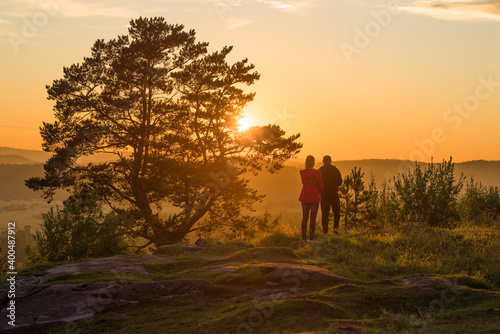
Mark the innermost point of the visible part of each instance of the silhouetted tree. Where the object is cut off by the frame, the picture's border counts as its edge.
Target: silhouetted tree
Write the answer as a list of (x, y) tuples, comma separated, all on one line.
[(166, 112), (372, 200), (346, 201), (358, 205)]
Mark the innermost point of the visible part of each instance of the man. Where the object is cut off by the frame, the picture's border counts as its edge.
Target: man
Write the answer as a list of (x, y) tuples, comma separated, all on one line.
[(332, 179)]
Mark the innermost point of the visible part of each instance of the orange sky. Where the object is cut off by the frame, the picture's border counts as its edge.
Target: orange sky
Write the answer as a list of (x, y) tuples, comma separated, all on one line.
[(357, 79)]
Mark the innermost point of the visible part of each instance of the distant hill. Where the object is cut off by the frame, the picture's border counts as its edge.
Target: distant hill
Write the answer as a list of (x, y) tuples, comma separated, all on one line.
[(15, 159), (487, 172), (41, 156), (282, 189), (12, 181), (484, 171), (36, 156)]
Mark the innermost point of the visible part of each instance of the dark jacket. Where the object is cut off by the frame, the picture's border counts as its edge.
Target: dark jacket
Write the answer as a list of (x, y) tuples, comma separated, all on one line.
[(312, 186), (332, 179)]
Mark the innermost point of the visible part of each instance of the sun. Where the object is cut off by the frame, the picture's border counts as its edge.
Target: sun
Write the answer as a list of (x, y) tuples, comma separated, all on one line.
[(245, 123)]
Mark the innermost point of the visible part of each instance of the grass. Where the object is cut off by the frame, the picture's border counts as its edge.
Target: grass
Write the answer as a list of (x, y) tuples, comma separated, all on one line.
[(376, 307), (375, 299), (410, 249)]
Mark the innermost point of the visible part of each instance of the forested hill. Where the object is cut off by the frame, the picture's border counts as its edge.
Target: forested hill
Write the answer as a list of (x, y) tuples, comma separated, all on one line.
[(282, 189), (11, 155)]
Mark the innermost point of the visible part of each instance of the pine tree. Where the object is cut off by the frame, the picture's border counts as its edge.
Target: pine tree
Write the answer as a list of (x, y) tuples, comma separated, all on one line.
[(166, 113)]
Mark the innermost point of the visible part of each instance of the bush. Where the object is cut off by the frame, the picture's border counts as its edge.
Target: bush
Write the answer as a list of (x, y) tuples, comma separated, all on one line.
[(80, 230), (240, 226), (429, 196), (480, 203)]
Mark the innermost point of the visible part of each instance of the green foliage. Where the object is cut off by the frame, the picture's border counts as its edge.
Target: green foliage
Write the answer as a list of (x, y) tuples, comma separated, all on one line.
[(429, 195), (166, 113), (233, 225), (388, 206), (81, 230), (357, 205), (372, 201), (480, 204)]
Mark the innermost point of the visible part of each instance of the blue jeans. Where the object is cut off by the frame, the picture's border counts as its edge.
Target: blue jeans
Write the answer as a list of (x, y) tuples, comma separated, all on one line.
[(313, 209)]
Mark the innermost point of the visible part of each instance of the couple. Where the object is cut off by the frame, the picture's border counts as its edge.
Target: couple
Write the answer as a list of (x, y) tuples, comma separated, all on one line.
[(320, 186)]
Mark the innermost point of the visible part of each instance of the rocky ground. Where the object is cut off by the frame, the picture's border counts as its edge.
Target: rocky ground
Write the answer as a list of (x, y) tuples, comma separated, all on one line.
[(239, 289)]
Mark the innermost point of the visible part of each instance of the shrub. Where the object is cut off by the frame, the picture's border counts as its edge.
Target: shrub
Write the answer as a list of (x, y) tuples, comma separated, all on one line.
[(240, 226), (80, 230), (480, 203), (429, 196)]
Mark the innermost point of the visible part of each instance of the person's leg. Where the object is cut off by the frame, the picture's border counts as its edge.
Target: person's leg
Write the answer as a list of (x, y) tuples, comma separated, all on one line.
[(305, 216), (336, 212), (314, 213), (325, 214)]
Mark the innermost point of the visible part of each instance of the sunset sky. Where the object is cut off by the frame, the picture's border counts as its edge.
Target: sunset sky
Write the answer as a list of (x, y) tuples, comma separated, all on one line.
[(358, 79)]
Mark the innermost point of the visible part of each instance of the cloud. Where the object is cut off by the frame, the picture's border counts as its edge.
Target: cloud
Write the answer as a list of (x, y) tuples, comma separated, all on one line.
[(465, 10), (237, 22), (88, 9), (235, 12), (70, 8), (288, 5)]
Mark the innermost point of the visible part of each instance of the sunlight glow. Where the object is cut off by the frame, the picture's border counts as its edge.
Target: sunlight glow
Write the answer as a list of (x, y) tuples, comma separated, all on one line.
[(245, 123)]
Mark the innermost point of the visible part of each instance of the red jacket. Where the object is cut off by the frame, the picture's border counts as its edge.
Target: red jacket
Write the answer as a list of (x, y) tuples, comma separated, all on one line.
[(312, 185)]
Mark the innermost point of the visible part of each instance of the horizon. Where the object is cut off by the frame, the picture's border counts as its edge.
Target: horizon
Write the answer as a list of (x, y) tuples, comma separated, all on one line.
[(407, 80), (298, 159)]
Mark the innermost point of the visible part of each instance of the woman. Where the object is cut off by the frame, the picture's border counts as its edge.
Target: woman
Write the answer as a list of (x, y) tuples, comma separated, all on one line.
[(310, 196)]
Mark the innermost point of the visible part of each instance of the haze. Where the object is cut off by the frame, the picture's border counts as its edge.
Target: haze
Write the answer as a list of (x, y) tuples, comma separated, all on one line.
[(358, 79)]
